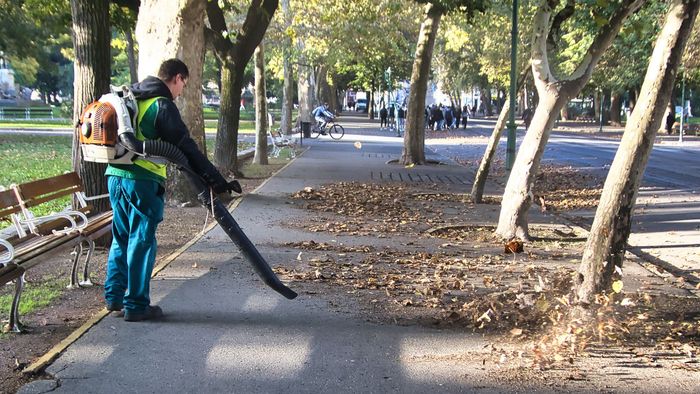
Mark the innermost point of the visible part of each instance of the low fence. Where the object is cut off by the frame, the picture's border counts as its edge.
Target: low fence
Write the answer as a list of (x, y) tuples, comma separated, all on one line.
[(27, 113)]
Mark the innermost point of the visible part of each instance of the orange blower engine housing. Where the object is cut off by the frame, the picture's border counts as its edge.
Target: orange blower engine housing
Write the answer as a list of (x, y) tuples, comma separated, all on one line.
[(98, 135)]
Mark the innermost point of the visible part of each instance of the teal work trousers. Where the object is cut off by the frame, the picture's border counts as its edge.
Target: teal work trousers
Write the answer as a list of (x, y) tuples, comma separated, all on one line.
[(138, 208)]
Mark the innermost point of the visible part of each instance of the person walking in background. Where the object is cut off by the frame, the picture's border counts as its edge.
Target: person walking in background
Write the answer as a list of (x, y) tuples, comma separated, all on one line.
[(527, 117), (458, 116), (383, 117), (447, 115), (465, 115), (391, 115), (402, 119)]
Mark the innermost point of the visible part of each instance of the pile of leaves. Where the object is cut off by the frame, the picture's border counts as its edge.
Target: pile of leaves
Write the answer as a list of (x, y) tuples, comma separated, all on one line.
[(375, 208), (567, 188), (471, 282)]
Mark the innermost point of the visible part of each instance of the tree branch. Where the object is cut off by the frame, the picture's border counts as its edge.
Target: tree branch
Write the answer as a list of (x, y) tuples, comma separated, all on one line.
[(130, 4), (604, 38), (559, 19), (239, 47)]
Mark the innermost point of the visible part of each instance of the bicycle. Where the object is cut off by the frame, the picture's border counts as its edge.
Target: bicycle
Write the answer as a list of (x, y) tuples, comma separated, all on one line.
[(331, 128)]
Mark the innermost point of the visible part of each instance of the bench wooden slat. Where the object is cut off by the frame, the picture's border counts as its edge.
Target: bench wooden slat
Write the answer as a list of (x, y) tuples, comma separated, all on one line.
[(43, 190), (8, 203)]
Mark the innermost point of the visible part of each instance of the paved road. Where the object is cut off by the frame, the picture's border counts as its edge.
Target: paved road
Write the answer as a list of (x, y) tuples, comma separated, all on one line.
[(666, 222)]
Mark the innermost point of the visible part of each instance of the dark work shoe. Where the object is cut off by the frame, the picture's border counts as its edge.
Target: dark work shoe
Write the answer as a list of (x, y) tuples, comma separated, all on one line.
[(114, 307), (151, 312)]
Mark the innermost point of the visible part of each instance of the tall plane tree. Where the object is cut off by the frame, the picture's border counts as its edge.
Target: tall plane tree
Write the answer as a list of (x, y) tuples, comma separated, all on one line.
[(554, 92), (166, 29), (260, 107), (234, 50), (91, 69), (414, 137), (288, 90), (605, 248)]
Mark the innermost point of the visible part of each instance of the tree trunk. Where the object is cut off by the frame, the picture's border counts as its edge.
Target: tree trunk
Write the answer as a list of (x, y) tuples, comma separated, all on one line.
[(486, 100), (288, 88), (304, 93), (166, 31), (131, 55), (324, 90), (260, 107), (414, 135), (485, 165), (564, 112), (370, 105), (234, 51), (91, 37), (225, 153), (553, 96), (606, 244), (615, 109)]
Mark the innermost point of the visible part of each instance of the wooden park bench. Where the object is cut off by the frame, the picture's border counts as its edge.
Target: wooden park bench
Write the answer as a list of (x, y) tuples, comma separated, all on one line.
[(30, 238)]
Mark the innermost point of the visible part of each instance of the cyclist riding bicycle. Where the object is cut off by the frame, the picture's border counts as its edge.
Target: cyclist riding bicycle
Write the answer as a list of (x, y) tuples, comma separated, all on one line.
[(322, 116)]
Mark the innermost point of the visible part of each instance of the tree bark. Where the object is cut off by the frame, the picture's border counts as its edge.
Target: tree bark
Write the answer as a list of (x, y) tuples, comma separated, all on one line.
[(485, 165), (234, 51), (260, 107), (324, 90), (486, 100), (288, 88), (553, 95), (615, 109), (605, 247), (304, 93), (370, 105), (225, 153), (91, 37), (131, 55), (414, 135), (165, 30)]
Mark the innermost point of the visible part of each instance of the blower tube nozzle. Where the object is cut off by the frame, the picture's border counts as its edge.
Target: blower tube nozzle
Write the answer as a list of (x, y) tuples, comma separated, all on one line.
[(221, 214)]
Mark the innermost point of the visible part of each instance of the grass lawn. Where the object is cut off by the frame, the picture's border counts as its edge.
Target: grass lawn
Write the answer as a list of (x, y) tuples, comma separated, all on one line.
[(36, 295)]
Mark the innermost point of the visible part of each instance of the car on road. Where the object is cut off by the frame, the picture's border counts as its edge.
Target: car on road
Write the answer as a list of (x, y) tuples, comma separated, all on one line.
[(361, 105)]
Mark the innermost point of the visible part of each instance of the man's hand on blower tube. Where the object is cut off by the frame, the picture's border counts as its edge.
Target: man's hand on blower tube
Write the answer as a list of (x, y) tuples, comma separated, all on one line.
[(228, 187)]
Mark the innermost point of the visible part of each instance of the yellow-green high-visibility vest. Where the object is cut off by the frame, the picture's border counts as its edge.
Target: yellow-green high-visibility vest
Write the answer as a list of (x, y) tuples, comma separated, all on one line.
[(149, 125)]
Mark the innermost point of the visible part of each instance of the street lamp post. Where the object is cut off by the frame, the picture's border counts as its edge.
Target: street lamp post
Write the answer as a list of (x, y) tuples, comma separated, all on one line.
[(602, 101), (510, 146)]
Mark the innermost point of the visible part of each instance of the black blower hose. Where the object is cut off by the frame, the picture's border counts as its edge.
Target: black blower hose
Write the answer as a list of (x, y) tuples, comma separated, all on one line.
[(221, 214)]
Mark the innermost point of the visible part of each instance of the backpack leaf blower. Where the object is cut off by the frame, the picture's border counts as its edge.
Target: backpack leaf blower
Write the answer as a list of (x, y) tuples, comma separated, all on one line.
[(106, 135)]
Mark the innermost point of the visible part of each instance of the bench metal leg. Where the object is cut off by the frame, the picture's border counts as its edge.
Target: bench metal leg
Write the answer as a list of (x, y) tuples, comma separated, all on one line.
[(76, 253), (86, 282), (84, 248), (14, 325)]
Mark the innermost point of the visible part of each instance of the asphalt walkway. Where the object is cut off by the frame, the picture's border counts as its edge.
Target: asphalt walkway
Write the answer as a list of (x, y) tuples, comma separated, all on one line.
[(225, 331)]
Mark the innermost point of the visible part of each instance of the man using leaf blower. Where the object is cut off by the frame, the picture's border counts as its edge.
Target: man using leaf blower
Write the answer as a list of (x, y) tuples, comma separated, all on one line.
[(136, 192)]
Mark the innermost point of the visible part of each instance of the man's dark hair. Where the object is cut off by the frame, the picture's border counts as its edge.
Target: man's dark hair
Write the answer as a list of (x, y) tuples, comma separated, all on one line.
[(171, 67)]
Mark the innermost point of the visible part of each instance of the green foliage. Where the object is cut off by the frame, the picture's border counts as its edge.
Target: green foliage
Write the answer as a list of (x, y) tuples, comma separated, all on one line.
[(34, 296), (476, 52), (624, 64), (468, 7), (34, 35)]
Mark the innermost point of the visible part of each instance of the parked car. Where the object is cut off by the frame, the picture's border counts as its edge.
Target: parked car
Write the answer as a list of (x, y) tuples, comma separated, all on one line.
[(361, 105)]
